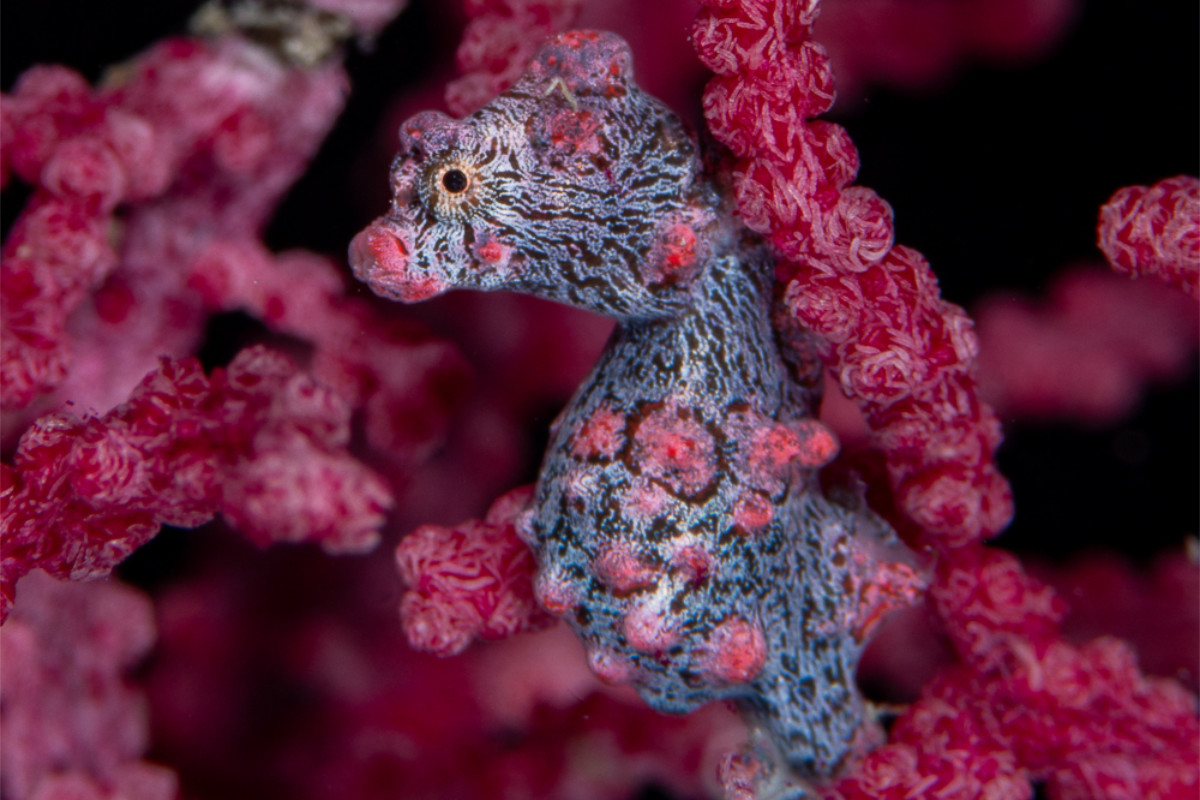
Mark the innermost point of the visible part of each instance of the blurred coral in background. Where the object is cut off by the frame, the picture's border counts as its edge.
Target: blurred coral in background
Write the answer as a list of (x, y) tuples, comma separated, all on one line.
[(182, 345)]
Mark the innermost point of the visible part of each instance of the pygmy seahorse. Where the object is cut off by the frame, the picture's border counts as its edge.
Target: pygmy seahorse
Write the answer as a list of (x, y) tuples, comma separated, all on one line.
[(677, 521)]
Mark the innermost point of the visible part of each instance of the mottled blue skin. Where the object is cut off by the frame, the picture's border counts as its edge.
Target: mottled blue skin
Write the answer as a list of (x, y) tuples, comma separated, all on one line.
[(581, 217)]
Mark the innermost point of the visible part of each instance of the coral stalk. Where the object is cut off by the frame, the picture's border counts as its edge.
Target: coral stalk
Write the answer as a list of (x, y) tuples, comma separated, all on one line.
[(259, 442), (471, 581), (901, 352), (1155, 230), (73, 726)]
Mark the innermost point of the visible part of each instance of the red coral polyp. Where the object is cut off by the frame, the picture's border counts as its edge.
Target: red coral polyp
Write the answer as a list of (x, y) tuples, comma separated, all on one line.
[(1155, 230), (471, 581), (260, 442)]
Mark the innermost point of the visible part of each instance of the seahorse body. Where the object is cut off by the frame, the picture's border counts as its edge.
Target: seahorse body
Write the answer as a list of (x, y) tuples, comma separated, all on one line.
[(677, 521)]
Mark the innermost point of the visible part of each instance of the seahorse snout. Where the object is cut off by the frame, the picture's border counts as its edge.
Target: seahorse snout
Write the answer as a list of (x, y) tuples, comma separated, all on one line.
[(380, 257)]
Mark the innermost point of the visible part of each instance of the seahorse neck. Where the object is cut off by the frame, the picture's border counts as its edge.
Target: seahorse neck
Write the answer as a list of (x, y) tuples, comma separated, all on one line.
[(720, 349)]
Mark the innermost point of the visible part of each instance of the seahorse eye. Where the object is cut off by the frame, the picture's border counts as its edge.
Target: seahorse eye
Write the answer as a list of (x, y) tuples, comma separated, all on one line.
[(455, 181), (452, 186)]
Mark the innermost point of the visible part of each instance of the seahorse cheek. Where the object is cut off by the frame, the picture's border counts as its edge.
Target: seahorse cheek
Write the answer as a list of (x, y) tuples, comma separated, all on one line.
[(381, 259)]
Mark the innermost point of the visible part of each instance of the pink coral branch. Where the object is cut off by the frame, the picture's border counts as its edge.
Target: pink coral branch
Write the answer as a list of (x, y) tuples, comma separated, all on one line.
[(899, 350), (199, 130), (73, 726), (1088, 351), (500, 38), (196, 141), (906, 357), (259, 442), (474, 580), (1155, 230), (86, 159), (1026, 706), (918, 44), (402, 378)]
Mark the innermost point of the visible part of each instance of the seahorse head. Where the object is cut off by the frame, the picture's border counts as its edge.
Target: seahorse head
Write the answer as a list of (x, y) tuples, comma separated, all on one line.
[(573, 185)]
